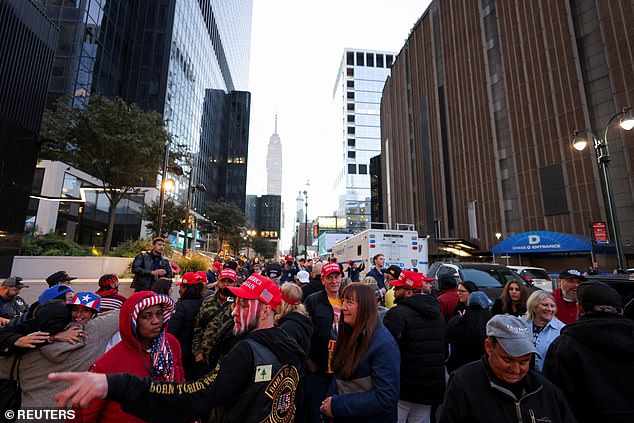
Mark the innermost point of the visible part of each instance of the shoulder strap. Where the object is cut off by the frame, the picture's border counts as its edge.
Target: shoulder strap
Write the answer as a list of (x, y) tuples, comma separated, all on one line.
[(15, 368)]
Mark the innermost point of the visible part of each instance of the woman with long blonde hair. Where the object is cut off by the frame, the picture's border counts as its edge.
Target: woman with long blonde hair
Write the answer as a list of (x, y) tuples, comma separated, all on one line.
[(293, 318)]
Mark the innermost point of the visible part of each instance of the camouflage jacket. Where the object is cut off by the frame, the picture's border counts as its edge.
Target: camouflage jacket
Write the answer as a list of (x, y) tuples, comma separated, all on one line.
[(212, 323)]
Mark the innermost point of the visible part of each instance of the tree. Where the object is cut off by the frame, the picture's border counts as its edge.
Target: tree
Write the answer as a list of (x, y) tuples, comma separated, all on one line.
[(113, 141), (263, 247), (173, 215), (224, 220)]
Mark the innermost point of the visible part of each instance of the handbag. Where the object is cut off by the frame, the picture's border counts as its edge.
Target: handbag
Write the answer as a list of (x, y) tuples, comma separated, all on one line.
[(10, 392), (354, 386)]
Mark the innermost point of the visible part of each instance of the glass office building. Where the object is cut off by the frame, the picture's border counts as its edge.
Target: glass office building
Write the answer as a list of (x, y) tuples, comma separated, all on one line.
[(357, 95), (186, 59)]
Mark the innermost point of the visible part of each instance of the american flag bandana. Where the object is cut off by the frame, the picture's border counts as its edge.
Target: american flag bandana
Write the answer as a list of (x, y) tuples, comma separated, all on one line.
[(160, 351)]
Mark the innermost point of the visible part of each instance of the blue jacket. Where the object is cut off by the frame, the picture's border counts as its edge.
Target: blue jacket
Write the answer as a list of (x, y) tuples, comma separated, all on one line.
[(383, 362), (545, 338)]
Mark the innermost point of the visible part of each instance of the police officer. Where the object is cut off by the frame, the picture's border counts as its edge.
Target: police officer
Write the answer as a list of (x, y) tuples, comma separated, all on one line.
[(256, 381)]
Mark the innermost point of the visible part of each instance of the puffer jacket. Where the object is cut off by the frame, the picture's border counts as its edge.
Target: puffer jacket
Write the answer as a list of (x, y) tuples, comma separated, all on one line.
[(128, 356), (592, 361), (419, 329), (181, 325), (381, 362)]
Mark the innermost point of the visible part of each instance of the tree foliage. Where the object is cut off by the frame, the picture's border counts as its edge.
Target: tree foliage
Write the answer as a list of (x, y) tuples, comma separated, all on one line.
[(224, 220), (173, 215), (116, 142), (264, 247)]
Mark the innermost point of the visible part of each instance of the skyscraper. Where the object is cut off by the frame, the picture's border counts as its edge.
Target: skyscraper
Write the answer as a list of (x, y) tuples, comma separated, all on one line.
[(357, 94), (274, 164), (27, 43), (188, 60), (480, 121)]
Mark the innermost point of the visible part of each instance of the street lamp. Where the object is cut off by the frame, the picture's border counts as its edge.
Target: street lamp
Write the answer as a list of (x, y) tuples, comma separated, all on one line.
[(306, 219), (498, 236), (190, 190), (166, 185), (602, 153)]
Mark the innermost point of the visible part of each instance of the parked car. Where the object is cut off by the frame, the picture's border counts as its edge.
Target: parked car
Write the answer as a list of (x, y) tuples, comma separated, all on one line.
[(536, 276), (488, 277)]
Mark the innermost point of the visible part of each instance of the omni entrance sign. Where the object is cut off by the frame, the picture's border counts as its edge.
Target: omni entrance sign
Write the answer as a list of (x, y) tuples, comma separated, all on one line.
[(542, 242)]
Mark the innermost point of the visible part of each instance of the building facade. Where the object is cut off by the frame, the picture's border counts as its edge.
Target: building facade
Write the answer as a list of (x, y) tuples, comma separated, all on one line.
[(357, 94), (479, 114), (188, 60), (27, 46), (274, 164)]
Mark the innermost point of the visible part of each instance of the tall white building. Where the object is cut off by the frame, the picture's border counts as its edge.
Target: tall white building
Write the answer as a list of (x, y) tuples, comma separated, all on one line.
[(274, 164), (357, 94)]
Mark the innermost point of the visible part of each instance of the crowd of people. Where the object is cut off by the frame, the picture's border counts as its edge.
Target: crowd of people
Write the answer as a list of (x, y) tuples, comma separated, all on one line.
[(295, 340)]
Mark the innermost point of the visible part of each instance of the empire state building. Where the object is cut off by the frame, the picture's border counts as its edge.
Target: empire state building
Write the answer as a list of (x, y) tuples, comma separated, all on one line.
[(274, 164)]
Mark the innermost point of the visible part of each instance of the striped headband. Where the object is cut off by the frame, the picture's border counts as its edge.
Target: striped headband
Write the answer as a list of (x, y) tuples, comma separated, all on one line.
[(168, 309)]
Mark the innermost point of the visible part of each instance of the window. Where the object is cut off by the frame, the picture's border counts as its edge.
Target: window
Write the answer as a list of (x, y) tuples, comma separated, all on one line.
[(553, 190), (360, 61), (389, 60), (379, 60), (363, 169), (350, 95), (351, 106), (352, 142), (352, 155), (350, 58), (351, 130), (351, 118), (350, 84), (352, 169), (369, 57), (350, 72)]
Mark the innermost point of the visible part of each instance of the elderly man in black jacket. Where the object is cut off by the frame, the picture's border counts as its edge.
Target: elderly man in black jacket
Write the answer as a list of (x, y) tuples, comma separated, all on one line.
[(419, 329), (149, 266), (501, 387), (592, 361)]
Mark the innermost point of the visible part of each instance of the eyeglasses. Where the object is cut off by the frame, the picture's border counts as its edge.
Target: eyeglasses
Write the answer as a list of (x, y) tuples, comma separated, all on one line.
[(462, 291)]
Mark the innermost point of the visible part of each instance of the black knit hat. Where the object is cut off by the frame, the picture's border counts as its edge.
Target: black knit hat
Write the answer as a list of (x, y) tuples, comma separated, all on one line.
[(591, 294)]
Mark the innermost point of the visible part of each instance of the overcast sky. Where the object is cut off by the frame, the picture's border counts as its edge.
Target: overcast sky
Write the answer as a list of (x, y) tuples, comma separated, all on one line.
[(296, 50)]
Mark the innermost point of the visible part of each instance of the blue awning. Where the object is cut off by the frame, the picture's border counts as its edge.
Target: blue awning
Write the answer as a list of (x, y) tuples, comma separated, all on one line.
[(542, 242)]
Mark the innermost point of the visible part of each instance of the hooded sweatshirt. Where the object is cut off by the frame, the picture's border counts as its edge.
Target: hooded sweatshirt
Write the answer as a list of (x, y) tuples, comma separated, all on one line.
[(418, 327), (59, 356), (225, 385), (128, 356), (592, 362), (299, 327)]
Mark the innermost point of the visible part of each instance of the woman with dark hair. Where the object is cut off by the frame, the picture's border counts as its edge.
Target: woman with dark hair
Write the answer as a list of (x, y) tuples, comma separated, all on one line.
[(512, 300), (466, 333), (163, 286), (145, 350), (464, 290), (366, 362)]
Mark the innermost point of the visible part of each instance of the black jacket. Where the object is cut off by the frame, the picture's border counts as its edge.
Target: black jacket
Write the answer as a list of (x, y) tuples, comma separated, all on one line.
[(322, 316), (142, 267), (592, 361), (466, 335), (256, 380), (419, 329), (299, 327), (181, 325), (311, 287), (474, 395)]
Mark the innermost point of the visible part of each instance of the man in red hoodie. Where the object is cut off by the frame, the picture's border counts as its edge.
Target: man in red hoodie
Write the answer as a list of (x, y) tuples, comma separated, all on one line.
[(566, 295), (448, 296)]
